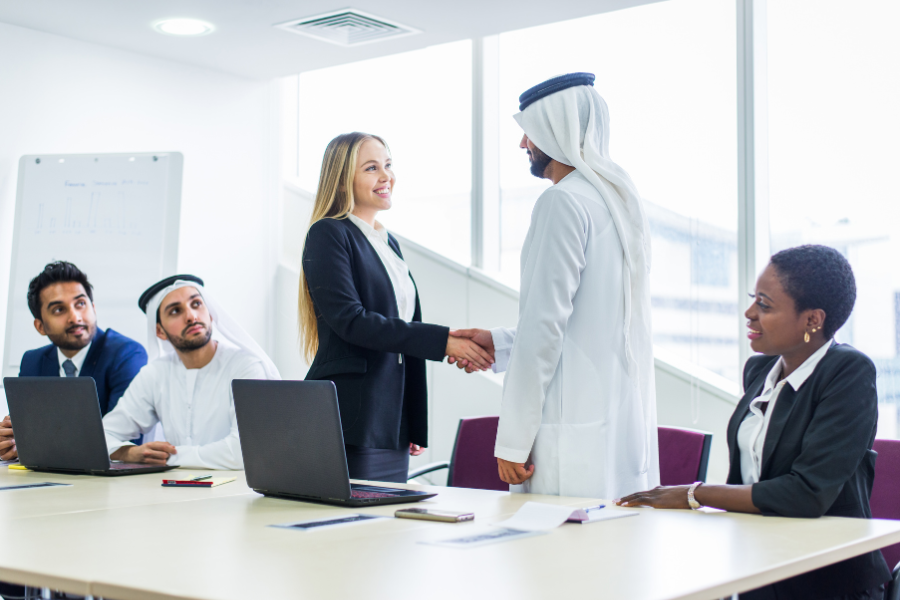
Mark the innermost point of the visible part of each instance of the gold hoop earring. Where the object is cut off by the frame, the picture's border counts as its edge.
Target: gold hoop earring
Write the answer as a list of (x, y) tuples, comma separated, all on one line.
[(806, 336)]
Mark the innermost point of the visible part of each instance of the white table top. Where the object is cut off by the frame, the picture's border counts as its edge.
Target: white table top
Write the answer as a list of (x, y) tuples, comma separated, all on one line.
[(131, 539)]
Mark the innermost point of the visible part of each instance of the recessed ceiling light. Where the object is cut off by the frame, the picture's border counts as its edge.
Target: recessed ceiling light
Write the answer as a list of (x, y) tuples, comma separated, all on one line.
[(183, 27)]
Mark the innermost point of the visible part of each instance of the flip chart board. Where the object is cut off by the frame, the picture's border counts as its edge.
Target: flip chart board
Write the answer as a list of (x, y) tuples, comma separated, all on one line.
[(115, 216)]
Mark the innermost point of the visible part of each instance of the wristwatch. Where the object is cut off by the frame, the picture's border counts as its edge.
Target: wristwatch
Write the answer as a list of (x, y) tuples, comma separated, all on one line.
[(694, 504)]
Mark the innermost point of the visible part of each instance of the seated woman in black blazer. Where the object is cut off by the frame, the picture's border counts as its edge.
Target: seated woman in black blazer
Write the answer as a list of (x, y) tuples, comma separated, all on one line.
[(360, 318), (800, 440)]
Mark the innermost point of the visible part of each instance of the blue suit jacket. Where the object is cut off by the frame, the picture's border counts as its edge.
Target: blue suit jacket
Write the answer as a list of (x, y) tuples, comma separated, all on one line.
[(112, 361)]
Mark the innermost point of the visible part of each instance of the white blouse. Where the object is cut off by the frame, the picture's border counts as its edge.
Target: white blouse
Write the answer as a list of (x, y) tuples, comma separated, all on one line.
[(404, 289), (751, 437)]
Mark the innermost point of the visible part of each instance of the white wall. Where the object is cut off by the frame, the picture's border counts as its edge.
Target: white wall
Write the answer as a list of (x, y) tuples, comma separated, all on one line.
[(59, 95), (457, 296)]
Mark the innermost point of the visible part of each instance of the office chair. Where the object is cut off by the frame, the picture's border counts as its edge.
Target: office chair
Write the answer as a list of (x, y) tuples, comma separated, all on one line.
[(885, 499), (683, 455), (472, 463)]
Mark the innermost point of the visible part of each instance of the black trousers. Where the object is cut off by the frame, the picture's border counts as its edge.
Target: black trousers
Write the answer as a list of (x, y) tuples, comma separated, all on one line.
[(376, 464)]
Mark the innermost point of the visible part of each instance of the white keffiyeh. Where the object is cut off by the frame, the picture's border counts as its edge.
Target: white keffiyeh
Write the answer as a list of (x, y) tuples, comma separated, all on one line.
[(223, 327)]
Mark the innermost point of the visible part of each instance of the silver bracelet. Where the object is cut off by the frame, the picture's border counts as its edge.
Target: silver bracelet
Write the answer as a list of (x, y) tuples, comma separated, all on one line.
[(691, 501)]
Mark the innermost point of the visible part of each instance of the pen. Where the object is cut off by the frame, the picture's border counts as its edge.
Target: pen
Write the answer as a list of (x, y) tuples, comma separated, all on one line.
[(590, 508), (201, 478)]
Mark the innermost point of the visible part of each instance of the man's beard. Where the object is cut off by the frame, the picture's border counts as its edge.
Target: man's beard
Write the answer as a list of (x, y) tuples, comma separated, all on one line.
[(539, 162), (63, 342), (189, 345)]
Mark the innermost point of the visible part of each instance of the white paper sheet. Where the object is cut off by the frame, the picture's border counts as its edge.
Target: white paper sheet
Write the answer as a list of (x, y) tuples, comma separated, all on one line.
[(537, 516)]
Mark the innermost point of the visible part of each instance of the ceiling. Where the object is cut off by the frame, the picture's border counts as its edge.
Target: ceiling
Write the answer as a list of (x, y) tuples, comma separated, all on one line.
[(245, 43)]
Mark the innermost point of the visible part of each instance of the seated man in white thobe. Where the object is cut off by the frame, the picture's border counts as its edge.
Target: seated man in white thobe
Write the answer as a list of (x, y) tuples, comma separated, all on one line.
[(186, 386), (578, 415)]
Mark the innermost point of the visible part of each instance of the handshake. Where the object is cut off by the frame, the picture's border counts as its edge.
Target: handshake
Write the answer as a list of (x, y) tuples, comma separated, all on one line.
[(470, 349)]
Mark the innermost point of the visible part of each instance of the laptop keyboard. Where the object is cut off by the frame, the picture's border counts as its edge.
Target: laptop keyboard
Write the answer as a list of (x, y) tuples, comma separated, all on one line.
[(361, 494)]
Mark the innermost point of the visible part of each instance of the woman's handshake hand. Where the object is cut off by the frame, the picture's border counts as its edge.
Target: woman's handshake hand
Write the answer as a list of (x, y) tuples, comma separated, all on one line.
[(482, 337), (464, 350)]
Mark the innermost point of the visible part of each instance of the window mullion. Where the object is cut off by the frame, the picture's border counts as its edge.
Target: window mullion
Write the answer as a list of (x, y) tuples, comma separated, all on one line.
[(753, 176)]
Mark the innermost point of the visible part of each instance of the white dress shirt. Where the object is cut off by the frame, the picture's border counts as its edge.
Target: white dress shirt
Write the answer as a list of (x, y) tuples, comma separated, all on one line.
[(751, 437), (404, 289), (77, 360), (195, 407)]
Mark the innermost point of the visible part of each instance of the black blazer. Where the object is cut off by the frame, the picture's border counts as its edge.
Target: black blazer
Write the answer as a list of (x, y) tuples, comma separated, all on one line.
[(817, 460), (375, 359)]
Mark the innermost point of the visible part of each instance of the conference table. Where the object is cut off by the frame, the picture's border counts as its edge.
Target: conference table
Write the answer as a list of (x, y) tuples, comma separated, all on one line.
[(129, 538)]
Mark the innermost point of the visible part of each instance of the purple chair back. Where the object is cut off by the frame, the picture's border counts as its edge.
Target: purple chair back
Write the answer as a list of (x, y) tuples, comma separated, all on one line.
[(472, 464), (683, 455), (885, 500)]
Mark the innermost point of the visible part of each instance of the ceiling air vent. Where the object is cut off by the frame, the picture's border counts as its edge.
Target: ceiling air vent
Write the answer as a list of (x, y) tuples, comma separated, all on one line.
[(348, 27)]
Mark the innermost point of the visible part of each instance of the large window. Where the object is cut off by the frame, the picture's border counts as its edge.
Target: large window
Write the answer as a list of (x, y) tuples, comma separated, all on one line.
[(833, 126), (819, 118), (667, 72), (421, 103)]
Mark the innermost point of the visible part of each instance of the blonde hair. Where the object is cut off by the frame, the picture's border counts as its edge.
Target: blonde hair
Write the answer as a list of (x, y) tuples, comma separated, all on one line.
[(334, 200)]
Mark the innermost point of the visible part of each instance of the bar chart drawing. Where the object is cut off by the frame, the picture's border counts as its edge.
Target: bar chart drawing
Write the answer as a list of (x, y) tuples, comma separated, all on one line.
[(90, 213)]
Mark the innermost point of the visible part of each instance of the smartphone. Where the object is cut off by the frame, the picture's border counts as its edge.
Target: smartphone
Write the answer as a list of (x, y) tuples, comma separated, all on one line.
[(430, 514)]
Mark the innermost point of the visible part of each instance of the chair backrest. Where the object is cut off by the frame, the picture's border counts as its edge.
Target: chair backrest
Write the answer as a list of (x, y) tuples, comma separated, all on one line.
[(885, 500), (472, 464), (683, 455)]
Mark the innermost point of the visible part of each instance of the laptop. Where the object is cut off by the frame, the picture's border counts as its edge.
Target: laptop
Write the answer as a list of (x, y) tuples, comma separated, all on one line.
[(293, 446), (58, 427)]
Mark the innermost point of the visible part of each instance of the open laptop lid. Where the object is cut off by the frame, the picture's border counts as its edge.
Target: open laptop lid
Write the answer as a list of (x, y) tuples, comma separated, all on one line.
[(291, 438), (57, 422)]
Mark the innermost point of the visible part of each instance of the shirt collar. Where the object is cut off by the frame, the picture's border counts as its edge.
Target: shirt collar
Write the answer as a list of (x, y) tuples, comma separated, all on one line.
[(378, 231), (801, 374), (78, 359)]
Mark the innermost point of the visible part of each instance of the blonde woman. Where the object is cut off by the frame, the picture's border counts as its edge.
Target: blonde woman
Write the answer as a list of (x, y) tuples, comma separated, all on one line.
[(360, 319)]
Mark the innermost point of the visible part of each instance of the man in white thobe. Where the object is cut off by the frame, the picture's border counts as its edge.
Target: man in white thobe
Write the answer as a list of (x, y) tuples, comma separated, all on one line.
[(186, 386), (578, 415)]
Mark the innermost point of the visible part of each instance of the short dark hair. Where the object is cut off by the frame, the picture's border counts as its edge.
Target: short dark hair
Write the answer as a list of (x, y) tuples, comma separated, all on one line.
[(55, 272), (818, 277)]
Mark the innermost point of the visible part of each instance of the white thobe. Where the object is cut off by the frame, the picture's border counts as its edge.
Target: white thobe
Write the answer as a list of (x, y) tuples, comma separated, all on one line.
[(569, 406), (194, 406)]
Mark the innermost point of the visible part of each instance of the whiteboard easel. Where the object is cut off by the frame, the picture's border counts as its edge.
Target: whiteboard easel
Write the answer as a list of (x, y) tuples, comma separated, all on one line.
[(115, 216)]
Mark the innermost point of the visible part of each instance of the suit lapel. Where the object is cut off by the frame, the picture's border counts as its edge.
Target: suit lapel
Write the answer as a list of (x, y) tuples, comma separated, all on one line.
[(784, 405), (50, 363), (364, 242), (394, 246), (93, 356), (740, 413)]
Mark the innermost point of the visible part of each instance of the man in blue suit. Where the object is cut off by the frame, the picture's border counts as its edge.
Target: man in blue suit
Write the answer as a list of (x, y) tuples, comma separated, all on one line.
[(62, 301)]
